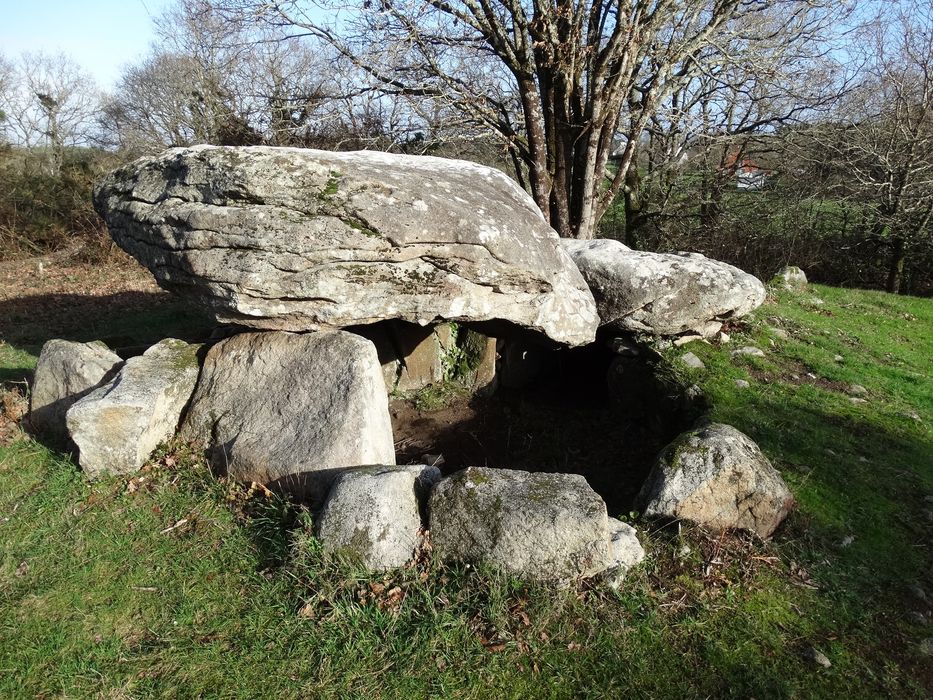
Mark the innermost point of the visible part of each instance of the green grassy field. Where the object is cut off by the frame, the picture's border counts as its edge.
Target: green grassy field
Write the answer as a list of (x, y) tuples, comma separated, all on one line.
[(173, 584)]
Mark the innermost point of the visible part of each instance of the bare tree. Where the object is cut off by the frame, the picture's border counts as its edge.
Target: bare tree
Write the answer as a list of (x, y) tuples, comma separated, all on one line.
[(211, 80), (556, 80), (732, 115), (7, 79), (52, 103), (878, 150)]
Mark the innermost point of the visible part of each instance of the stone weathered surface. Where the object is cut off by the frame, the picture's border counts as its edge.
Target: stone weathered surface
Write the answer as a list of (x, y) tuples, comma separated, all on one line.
[(663, 293), (65, 372), (625, 550), (692, 361), (536, 525), (118, 425), (374, 513), (791, 278), (748, 351), (716, 476), (297, 239), (484, 378), (412, 356), (292, 410)]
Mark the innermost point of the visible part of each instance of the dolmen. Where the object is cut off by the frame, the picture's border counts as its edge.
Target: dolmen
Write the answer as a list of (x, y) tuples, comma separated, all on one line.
[(334, 274)]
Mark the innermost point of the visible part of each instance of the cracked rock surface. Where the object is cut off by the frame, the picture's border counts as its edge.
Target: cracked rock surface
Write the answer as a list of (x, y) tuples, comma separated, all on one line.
[(663, 293), (66, 371), (118, 425), (299, 239), (717, 476)]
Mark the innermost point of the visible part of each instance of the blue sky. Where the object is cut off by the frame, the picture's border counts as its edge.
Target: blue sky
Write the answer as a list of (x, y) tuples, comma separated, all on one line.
[(101, 35)]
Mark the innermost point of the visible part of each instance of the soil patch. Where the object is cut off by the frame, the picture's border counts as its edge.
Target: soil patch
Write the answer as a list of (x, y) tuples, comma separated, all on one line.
[(798, 373), (61, 296)]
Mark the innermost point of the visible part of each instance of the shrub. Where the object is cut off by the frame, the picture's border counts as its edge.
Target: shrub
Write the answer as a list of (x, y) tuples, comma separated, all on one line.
[(42, 211)]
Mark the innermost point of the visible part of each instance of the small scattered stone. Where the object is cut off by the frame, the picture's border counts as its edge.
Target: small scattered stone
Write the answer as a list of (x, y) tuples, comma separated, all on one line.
[(791, 278), (684, 551), (816, 301), (742, 384), (779, 333), (838, 358), (795, 377), (913, 415), (684, 339), (857, 390), (748, 350), (692, 361), (926, 647), (863, 460), (928, 498), (810, 375), (816, 656), (917, 618), (857, 400), (624, 347), (847, 540), (694, 394), (723, 338), (916, 590)]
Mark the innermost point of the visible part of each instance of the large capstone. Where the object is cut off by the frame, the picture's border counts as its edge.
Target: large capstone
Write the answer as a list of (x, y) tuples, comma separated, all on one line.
[(118, 425), (717, 476), (536, 525), (66, 371), (296, 239), (292, 410), (663, 294), (374, 514)]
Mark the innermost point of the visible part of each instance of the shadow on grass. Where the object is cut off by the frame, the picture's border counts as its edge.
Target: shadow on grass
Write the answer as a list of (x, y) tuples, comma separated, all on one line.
[(128, 322)]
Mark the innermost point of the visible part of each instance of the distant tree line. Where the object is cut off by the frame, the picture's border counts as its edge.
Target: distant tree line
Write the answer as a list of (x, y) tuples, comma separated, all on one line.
[(762, 132)]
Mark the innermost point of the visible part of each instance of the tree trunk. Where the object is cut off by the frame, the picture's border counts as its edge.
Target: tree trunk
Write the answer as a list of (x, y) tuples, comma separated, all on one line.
[(896, 269), (633, 207)]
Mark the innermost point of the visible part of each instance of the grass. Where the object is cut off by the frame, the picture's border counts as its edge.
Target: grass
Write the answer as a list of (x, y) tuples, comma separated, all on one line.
[(174, 584)]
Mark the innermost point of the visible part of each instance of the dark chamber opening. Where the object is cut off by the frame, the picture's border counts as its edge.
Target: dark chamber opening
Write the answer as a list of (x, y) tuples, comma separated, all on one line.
[(588, 411)]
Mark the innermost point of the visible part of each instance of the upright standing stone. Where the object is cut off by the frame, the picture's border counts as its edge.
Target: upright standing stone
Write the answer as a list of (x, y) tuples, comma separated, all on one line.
[(118, 425), (292, 410), (65, 372)]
